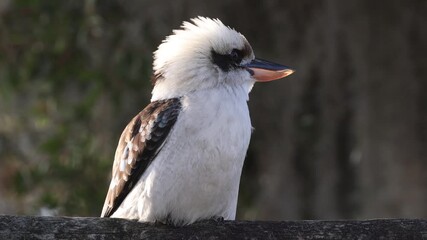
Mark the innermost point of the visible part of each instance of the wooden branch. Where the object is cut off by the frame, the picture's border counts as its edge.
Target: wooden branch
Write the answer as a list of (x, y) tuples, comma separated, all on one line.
[(30, 227)]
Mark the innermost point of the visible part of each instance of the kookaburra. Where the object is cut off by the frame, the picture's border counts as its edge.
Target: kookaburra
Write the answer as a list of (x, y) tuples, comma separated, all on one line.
[(180, 159)]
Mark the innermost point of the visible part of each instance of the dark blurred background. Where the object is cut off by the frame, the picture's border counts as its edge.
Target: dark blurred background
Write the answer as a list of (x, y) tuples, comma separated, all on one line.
[(344, 137)]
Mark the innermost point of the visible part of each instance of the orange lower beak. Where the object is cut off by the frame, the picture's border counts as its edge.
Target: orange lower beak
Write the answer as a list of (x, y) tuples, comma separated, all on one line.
[(265, 71)]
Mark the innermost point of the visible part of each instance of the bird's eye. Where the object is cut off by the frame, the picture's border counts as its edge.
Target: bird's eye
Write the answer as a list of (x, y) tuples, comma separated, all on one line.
[(235, 56), (227, 61)]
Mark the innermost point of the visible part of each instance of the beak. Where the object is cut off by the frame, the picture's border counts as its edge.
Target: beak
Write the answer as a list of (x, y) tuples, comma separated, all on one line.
[(265, 71)]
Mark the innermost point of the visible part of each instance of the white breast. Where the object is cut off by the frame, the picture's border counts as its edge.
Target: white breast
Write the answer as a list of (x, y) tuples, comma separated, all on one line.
[(196, 175)]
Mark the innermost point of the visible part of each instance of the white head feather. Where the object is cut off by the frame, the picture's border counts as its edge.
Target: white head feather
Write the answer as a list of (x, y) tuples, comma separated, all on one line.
[(183, 62)]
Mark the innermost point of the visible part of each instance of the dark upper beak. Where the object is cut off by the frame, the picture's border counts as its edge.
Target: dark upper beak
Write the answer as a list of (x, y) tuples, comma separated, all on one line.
[(265, 71)]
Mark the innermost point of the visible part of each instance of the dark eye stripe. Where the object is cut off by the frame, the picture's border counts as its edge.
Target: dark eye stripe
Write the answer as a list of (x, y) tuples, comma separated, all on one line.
[(227, 61), (236, 55)]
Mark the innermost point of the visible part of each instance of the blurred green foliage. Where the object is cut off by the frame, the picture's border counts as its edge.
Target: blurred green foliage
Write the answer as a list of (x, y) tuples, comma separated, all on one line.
[(64, 69)]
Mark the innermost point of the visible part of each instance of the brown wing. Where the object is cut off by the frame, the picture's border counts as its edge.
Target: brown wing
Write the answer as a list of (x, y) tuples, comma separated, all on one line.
[(139, 143)]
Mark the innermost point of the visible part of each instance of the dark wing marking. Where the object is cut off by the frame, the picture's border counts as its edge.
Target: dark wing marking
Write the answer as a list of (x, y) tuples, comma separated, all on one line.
[(139, 144), (156, 77)]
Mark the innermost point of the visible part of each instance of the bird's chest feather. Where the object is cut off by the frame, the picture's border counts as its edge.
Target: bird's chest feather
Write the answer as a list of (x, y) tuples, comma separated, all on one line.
[(210, 138), (218, 127), (200, 164)]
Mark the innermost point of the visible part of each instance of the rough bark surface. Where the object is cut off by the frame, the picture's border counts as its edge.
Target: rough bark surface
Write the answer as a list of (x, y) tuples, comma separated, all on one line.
[(29, 227)]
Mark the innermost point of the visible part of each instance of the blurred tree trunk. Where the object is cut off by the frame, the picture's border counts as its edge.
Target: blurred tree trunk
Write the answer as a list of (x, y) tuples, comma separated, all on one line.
[(346, 136)]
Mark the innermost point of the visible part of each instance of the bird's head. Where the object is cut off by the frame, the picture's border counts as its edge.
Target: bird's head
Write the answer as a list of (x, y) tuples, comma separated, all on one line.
[(204, 54)]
